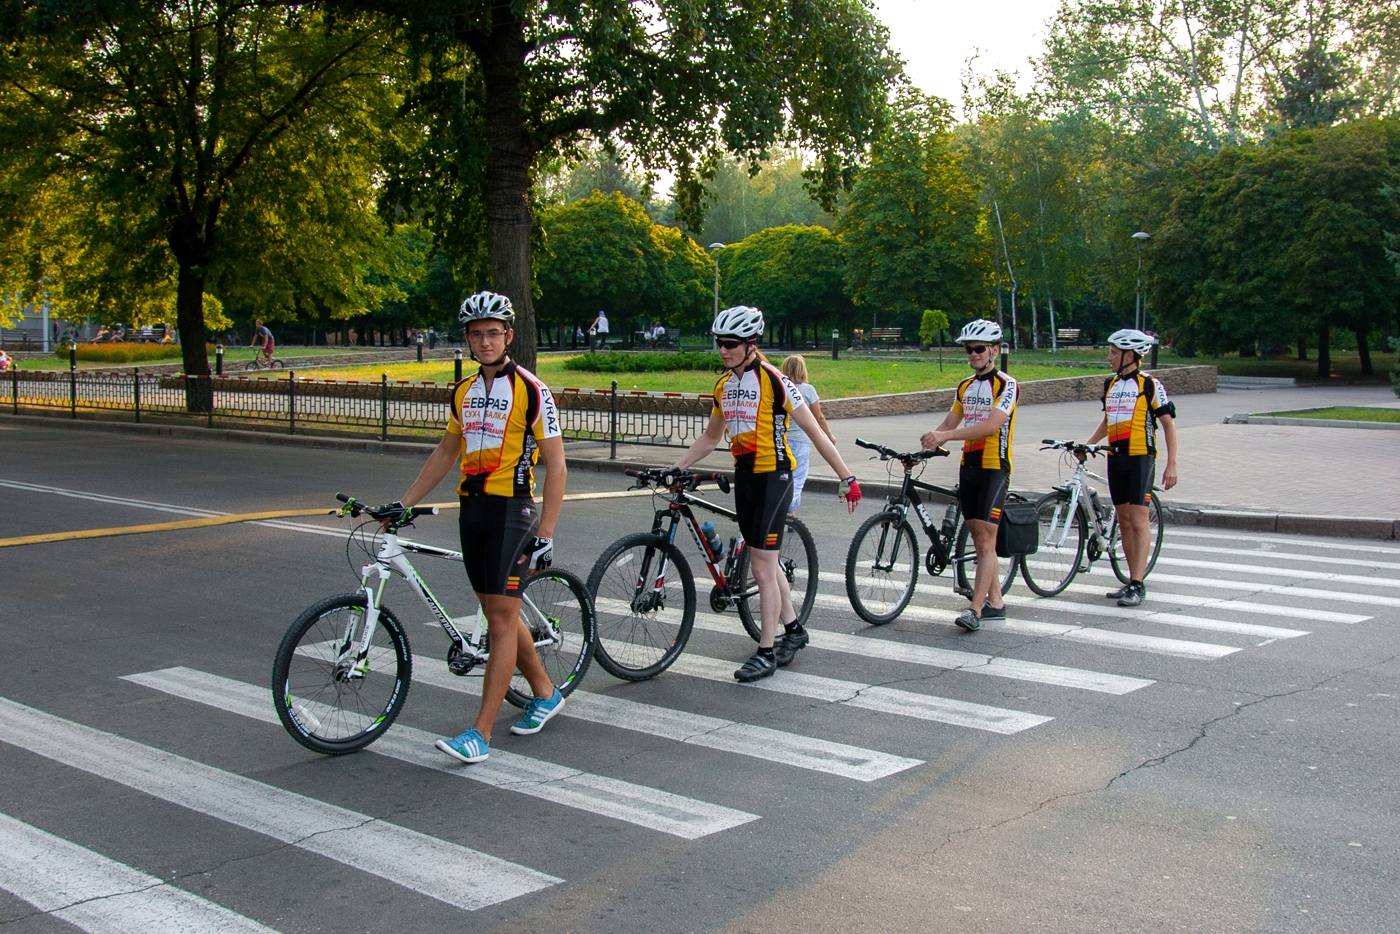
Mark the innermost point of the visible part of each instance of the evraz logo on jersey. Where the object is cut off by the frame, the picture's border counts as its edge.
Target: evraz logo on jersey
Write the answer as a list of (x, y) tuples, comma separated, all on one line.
[(551, 412)]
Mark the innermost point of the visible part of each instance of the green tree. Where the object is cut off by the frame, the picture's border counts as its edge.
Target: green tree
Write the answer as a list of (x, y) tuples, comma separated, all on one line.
[(793, 273), (910, 229), (216, 145), (743, 202), (933, 323), (604, 252), (675, 84)]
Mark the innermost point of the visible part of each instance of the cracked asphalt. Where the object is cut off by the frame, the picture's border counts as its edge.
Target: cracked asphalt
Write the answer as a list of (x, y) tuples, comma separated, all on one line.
[(1249, 793)]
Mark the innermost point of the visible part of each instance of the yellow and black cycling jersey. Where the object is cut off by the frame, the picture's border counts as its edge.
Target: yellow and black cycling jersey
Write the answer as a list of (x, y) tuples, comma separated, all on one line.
[(977, 398), (501, 429), (1131, 406), (755, 407)]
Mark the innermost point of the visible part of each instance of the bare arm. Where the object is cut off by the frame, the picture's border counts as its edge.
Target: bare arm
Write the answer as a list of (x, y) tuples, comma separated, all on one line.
[(946, 432), (703, 445), (556, 475), (1100, 432), (821, 420), (1169, 436), (444, 457)]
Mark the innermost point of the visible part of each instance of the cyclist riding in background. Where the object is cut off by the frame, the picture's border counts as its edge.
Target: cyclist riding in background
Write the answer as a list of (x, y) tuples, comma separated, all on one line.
[(983, 418), (1133, 404), (755, 403), (503, 418), (262, 337)]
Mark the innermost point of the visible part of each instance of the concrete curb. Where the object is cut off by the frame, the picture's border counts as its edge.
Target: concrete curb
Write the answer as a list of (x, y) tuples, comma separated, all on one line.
[(1174, 513), (1308, 422)]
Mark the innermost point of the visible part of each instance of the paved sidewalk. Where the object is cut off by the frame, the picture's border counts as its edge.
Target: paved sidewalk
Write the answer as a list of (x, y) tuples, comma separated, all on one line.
[(1271, 468)]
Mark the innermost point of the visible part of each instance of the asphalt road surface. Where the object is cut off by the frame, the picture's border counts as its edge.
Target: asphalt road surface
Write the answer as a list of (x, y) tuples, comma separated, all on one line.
[(1222, 760)]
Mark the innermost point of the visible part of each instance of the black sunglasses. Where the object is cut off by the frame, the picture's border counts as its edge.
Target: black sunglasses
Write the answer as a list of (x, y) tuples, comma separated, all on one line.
[(970, 349), (729, 344)]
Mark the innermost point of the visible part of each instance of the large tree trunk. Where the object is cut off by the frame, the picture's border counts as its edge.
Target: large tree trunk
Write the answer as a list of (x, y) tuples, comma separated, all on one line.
[(1302, 347), (1364, 349), (1324, 352), (508, 218)]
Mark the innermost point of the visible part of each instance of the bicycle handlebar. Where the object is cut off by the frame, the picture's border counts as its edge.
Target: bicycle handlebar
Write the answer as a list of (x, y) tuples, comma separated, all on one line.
[(912, 457), (670, 477), (398, 516), (1075, 447)]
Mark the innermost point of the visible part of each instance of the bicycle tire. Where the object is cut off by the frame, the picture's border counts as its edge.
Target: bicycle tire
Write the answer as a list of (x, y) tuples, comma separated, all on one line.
[(557, 599), (798, 564), (961, 563), (862, 591), (320, 706), (1154, 529), (277, 365), (1055, 567), (639, 642)]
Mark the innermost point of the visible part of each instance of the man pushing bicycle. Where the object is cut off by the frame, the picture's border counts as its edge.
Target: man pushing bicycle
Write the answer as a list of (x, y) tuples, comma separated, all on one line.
[(503, 418), (982, 418), (1133, 404)]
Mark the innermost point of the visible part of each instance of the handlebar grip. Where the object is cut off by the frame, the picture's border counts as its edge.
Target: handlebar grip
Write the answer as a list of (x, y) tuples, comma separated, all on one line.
[(860, 443), (629, 472), (940, 452), (342, 497), (1048, 441), (416, 511), (719, 480)]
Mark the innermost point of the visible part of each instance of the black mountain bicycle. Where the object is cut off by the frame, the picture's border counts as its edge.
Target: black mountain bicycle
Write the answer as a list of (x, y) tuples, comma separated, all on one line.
[(882, 564), (644, 592)]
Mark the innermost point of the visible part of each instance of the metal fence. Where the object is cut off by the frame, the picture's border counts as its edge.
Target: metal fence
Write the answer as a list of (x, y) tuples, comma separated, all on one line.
[(347, 408)]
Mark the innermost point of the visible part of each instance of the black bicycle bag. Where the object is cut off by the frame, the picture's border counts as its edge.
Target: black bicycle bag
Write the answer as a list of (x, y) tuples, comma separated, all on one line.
[(1018, 532)]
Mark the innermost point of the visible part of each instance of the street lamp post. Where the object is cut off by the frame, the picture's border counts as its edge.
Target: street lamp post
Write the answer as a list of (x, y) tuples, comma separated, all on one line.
[(1139, 302)]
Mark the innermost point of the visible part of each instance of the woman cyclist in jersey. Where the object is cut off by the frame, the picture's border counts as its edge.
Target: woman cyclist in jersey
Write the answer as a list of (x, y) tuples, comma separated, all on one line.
[(755, 402), (1133, 404), (503, 418), (982, 418)]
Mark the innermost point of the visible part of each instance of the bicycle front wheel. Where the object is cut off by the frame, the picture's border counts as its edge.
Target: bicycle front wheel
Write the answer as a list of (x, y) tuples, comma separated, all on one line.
[(332, 698), (882, 566), (797, 561), (645, 610), (557, 610), (965, 561), (1062, 536), (1154, 535)]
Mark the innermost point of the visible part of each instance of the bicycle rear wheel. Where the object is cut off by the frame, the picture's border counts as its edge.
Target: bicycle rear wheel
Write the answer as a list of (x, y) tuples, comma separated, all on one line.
[(1053, 566), (644, 612), (882, 567), (965, 563), (1154, 532), (556, 608), (797, 560), (329, 698)]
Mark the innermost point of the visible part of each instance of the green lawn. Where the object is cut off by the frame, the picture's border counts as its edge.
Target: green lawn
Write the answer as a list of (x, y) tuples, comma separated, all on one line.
[(231, 355), (1342, 413)]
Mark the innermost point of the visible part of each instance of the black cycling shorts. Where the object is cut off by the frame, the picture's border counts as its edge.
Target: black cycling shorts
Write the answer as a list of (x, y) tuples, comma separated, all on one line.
[(761, 503), (981, 492), (1130, 478), (495, 530)]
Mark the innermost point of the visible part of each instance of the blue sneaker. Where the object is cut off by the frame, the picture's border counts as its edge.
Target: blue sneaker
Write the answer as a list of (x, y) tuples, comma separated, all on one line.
[(537, 714), (470, 746)]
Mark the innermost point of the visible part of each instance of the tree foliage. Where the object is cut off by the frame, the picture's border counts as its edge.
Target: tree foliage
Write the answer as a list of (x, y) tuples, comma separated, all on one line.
[(793, 273)]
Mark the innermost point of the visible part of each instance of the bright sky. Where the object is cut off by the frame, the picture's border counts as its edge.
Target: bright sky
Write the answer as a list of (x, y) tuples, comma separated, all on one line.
[(936, 37)]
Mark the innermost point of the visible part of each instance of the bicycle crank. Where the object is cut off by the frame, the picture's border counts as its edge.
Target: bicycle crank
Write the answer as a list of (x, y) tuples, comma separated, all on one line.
[(720, 600), (931, 562), (460, 662)]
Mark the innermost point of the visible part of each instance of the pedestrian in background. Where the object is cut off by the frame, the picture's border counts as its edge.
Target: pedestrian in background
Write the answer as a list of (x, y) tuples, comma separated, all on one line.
[(795, 369)]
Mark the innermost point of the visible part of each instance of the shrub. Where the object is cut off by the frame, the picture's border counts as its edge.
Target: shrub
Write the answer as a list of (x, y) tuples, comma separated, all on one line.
[(126, 352), (642, 362)]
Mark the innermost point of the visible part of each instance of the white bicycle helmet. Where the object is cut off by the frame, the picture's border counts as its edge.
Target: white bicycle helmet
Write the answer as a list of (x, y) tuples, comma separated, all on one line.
[(486, 306), (980, 330), (741, 321), (1132, 339)]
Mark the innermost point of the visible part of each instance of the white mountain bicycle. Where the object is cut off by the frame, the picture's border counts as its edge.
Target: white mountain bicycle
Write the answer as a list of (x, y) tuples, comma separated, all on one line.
[(343, 669)]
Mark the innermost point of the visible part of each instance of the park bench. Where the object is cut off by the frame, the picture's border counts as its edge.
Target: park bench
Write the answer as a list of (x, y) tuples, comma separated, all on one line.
[(886, 335), (1067, 335)]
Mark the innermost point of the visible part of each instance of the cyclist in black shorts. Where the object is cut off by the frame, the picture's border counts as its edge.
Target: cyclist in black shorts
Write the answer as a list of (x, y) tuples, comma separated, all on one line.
[(982, 418), (755, 402), (503, 418), (1133, 404)]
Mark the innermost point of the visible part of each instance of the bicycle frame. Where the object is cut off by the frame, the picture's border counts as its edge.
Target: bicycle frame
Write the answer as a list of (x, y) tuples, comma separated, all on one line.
[(1101, 531), (942, 544), (679, 508)]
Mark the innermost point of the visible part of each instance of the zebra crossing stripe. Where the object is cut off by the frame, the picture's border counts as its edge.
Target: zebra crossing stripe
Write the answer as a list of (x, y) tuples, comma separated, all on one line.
[(100, 895), (1056, 605), (636, 804), (1101, 637), (445, 871), (743, 739), (1357, 562), (1239, 606), (1270, 571), (1294, 541), (871, 697), (1255, 587), (975, 663)]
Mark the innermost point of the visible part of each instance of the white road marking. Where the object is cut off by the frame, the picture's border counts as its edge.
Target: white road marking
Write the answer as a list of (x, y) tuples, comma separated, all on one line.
[(854, 694), (445, 871), (1335, 596), (971, 662), (1282, 555), (636, 804), (100, 895), (1269, 571), (1293, 540), (113, 500), (1241, 606), (743, 739), (1103, 637)]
